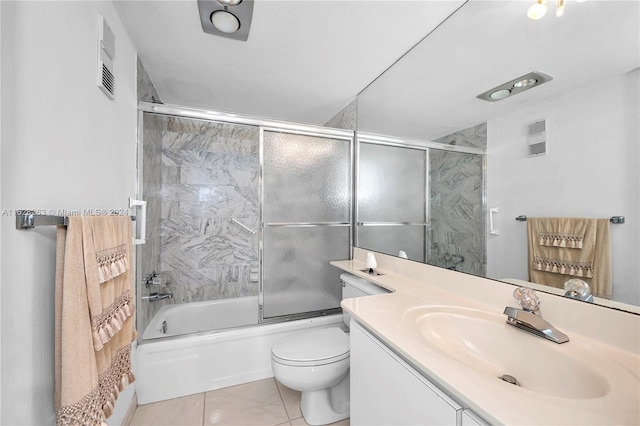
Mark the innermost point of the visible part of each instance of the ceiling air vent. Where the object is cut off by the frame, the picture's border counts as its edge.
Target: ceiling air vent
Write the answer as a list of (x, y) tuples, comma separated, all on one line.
[(537, 138), (106, 54)]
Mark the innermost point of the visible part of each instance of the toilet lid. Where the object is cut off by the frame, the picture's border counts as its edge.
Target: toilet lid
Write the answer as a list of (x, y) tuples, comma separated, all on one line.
[(318, 346)]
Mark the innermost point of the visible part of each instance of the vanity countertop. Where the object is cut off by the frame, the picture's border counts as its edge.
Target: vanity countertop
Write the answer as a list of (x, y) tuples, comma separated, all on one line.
[(391, 317)]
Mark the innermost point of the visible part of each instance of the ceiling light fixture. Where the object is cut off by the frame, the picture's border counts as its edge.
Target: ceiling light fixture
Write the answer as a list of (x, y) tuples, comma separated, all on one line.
[(524, 83), (539, 8), (500, 94), (226, 18), (515, 86), (225, 21)]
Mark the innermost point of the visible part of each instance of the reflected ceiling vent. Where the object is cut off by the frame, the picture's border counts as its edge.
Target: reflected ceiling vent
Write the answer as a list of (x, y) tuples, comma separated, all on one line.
[(226, 18), (106, 54), (515, 86), (537, 138)]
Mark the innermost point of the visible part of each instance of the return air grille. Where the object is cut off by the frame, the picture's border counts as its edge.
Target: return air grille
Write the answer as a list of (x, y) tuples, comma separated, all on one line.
[(538, 149), (108, 80), (537, 138), (106, 54)]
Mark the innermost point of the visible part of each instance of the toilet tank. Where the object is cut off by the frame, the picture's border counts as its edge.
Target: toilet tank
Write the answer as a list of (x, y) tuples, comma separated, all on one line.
[(353, 286)]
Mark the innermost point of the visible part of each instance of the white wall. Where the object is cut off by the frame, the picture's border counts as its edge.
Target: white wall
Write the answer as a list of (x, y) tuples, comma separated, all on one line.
[(591, 170), (64, 145)]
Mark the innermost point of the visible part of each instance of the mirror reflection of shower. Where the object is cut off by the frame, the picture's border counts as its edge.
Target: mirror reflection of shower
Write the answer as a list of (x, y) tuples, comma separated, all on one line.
[(424, 201)]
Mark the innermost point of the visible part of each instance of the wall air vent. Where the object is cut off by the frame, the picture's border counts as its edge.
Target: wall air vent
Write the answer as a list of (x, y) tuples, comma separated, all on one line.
[(106, 54), (537, 138)]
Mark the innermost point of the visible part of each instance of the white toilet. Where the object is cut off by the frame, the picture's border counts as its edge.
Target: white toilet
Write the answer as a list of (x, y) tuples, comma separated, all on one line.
[(316, 362)]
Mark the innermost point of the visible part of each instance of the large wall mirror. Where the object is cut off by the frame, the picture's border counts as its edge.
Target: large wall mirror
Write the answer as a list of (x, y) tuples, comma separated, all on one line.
[(434, 159)]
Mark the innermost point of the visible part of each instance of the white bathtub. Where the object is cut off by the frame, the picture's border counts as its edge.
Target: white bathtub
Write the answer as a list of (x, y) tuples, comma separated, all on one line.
[(194, 317), (183, 365)]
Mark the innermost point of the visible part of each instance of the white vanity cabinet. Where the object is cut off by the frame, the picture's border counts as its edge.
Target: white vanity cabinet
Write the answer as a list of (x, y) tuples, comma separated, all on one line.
[(469, 418), (385, 390)]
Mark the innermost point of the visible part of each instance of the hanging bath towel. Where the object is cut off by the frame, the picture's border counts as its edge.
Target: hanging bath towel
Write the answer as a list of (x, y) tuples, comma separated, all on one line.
[(564, 248), (94, 317)]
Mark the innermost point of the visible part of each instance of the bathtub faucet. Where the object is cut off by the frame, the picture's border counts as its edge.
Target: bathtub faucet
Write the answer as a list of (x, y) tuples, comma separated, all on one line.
[(154, 297)]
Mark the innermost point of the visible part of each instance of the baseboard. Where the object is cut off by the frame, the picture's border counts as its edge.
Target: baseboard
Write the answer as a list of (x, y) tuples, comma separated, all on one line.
[(128, 418)]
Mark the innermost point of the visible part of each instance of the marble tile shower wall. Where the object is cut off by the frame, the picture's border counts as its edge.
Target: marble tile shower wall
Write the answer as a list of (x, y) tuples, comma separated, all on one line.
[(346, 118), (149, 253), (474, 137), (146, 91), (457, 220), (209, 173)]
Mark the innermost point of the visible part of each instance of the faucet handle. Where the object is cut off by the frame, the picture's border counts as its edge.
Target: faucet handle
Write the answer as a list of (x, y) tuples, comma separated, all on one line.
[(527, 298)]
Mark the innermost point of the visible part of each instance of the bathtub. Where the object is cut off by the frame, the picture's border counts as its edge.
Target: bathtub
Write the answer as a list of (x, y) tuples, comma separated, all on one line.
[(194, 317), (184, 365)]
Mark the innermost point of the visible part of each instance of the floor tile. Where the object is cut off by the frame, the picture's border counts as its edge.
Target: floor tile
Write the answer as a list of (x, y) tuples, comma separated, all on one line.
[(183, 411), (255, 403), (291, 399)]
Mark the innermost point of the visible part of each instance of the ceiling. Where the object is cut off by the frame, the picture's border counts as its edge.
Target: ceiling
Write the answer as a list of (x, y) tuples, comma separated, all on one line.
[(304, 60), (432, 91)]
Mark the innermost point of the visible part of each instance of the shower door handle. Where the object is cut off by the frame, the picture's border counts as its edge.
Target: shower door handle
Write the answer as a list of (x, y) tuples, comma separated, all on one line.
[(141, 218)]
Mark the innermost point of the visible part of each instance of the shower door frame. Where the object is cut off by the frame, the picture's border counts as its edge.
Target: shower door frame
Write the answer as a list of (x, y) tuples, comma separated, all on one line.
[(263, 124), (313, 131), (424, 145)]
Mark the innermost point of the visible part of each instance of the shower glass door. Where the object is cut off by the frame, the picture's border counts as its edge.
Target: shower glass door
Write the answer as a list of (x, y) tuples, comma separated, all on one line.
[(306, 213), (392, 199)]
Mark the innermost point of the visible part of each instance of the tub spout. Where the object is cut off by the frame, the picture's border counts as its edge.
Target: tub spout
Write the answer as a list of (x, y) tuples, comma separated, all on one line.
[(154, 297)]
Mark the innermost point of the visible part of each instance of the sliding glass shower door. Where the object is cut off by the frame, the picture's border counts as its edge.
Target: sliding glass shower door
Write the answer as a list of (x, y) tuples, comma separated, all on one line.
[(306, 215), (392, 200), (424, 202)]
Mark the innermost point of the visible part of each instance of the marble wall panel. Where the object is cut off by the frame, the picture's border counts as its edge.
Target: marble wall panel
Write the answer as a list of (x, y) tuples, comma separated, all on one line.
[(146, 90), (148, 255), (210, 173), (475, 137), (457, 220), (196, 175), (346, 118)]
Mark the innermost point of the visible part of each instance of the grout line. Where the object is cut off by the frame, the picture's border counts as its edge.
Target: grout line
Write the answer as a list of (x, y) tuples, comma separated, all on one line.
[(281, 398)]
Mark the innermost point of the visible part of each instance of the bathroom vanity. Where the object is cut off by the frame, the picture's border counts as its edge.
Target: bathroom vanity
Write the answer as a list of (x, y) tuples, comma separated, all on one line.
[(385, 390), (433, 352)]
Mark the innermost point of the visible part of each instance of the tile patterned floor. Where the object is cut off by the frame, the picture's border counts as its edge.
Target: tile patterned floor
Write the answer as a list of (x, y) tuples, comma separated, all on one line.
[(263, 403)]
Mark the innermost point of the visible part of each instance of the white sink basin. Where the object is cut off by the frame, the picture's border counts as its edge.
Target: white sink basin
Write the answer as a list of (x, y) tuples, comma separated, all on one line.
[(484, 342)]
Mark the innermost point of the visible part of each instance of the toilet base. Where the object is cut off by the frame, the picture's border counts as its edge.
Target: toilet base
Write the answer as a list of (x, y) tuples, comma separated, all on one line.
[(327, 405)]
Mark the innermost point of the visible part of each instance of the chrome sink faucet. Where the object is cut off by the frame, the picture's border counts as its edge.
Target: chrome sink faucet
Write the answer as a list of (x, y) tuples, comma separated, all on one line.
[(529, 318)]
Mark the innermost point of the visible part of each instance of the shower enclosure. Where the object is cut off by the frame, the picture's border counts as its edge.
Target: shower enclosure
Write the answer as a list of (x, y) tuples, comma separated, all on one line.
[(243, 218), (425, 201)]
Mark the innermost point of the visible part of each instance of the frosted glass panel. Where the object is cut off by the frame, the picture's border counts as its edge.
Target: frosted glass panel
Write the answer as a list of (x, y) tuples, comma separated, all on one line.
[(392, 239), (297, 275), (306, 179), (391, 184)]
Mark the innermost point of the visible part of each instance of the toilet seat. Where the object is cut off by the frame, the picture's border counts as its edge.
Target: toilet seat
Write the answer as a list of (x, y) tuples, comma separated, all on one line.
[(318, 347)]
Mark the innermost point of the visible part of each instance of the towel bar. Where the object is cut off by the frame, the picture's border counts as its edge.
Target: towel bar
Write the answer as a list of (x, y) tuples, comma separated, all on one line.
[(614, 219), (28, 220)]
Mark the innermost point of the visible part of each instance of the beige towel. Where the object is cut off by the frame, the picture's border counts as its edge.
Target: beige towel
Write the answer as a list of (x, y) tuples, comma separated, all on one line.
[(565, 248), (94, 317)]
